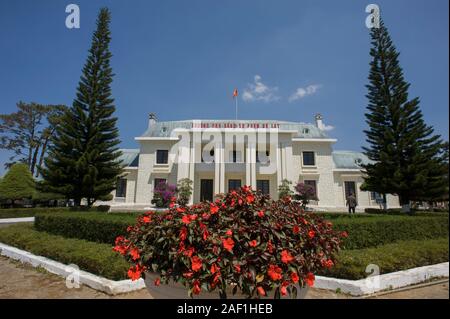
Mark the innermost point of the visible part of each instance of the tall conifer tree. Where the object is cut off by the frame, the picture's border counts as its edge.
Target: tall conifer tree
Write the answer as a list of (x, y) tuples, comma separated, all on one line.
[(404, 151), (83, 161)]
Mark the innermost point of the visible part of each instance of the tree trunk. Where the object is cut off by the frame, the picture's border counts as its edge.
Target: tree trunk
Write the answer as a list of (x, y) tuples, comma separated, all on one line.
[(33, 161), (385, 202), (41, 157)]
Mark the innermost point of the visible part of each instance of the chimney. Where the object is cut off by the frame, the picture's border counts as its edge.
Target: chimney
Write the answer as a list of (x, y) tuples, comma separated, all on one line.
[(319, 122), (151, 119)]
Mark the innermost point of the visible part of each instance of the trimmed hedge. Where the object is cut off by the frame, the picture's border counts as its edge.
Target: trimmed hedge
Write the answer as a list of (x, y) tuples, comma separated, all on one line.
[(96, 258), (96, 227), (397, 211), (390, 258), (29, 212), (367, 232)]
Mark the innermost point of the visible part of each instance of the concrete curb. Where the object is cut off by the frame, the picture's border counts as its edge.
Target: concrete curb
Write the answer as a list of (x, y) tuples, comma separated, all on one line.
[(110, 287), (16, 220), (361, 287), (384, 282)]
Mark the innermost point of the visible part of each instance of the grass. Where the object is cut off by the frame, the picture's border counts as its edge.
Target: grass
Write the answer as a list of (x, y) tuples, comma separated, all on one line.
[(398, 256)]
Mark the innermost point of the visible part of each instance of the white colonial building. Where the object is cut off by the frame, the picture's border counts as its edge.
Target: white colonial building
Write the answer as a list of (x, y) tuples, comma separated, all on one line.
[(219, 155)]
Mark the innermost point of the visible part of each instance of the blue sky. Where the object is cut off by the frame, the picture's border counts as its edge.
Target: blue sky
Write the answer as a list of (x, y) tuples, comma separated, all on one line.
[(182, 59)]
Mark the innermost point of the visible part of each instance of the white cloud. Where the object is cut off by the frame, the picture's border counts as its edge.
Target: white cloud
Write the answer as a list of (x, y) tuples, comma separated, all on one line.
[(258, 91), (302, 92)]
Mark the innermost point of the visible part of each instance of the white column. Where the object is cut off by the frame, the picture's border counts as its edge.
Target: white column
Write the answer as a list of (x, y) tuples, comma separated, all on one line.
[(222, 169), (253, 165), (279, 166), (248, 173), (192, 171)]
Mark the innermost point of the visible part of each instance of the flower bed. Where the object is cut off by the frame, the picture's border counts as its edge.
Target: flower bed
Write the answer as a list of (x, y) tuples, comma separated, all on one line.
[(243, 240), (401, 255), (96, 258)]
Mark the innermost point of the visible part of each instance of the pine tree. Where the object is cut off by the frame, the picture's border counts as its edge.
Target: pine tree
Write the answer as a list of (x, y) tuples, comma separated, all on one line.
[(18, 183), (404, 151), (83, 160)]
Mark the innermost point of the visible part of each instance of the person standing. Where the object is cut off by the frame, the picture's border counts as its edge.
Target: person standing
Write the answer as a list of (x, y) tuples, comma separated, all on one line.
[(351, 203)]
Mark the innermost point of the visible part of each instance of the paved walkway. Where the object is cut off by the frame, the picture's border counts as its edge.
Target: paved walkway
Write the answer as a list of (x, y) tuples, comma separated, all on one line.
[(24, 281)]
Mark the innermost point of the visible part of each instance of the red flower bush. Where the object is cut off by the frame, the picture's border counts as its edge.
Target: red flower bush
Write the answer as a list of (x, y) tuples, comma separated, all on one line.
[(243, 240)]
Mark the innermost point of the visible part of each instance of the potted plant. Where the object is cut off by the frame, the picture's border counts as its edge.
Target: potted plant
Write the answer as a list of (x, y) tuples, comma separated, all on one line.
[(184, 190), (305, 193), (243, 244), (162, 194)]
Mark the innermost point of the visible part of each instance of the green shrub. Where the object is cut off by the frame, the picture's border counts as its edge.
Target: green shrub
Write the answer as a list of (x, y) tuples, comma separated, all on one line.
[(367, 232), (96, 258), (97, 227), (29, 212), (351, 264)]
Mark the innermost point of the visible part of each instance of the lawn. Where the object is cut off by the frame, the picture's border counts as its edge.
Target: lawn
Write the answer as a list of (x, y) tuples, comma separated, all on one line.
[(86, 239)]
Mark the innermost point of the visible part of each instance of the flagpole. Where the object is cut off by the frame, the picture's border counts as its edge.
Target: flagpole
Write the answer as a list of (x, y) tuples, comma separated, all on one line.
[(236, 102)]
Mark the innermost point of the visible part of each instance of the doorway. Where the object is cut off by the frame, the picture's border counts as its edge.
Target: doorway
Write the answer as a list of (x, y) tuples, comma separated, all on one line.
[(206, 190)]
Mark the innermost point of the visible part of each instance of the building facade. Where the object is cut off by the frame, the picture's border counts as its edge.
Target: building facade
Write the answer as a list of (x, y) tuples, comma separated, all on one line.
[(222, 155)]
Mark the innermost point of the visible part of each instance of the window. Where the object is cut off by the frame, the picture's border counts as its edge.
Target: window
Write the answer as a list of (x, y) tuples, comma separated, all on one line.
[(376, 197), (309, 159), (350, 189), (313, 185), (236, 157), (234, 184), (162, 156), (121, 189), (263, 186), (159, 181)]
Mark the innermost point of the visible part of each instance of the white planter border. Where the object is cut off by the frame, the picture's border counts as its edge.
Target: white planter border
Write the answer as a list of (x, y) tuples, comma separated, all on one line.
[(16, 220), (361, 287), (383, 282), (110, 287)]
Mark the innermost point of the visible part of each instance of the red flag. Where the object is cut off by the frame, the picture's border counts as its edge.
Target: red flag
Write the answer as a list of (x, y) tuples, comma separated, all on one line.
[(235, 93)]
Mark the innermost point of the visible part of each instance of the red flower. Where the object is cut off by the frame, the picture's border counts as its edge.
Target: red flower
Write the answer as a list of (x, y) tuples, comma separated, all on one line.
[(294, 277), (196, 289), (189, 252), (228, 244), (286, 257), (237, 268), (213, 209), (327, 263), (246, 188), (344, 234), (146, 219), (171, 205), (270, 246), (214, 268), (311, 234), (261, 291), (250, 198), (134, 273), (205, 234), (240, 201), (196, 263), (186, 219), (181, 209), (157, 282), (296, 229), (134, 253), (261, 213), (274, 272), (310, 279), (283, 289), (253, 243), (183, 233), (188, 274), (229, 232)]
